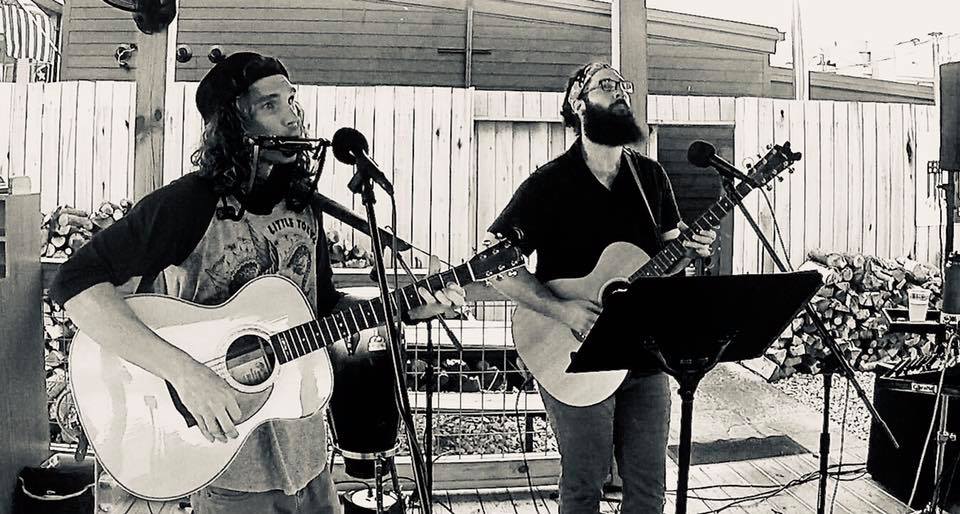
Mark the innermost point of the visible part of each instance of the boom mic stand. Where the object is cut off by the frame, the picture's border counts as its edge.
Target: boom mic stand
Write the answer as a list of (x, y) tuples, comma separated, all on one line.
[(837, 355), (362, 183)]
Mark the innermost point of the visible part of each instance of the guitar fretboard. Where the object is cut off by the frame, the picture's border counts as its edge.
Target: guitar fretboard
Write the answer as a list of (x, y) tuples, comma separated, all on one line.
[(317, 334), (674, 251)]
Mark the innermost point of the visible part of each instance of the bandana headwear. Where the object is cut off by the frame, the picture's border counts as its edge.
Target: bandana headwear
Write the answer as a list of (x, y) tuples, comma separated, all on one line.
[(588, 72)]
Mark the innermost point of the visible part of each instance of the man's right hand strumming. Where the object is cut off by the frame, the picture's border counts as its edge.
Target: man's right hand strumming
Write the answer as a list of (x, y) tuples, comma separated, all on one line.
[(579, 315), (210, 400)]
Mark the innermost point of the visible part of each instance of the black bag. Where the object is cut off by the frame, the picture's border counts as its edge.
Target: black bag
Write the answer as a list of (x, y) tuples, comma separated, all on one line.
[(65, 489)]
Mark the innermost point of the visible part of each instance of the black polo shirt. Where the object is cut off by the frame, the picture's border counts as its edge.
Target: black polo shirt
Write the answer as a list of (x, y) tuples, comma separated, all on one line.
[(568, 217)]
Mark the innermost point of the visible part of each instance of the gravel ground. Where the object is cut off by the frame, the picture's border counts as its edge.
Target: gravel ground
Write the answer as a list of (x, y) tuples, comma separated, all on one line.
[(808, 390)]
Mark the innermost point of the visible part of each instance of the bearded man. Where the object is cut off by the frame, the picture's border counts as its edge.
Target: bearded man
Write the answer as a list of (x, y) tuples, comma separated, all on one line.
[(569, 210)]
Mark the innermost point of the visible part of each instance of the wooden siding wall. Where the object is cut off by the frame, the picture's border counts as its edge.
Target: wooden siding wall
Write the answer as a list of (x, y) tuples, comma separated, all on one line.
[(356, 42), (457, 155)]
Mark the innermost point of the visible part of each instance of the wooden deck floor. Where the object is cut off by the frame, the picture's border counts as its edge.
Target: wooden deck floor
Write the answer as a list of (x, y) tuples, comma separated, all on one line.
[(713, 486)]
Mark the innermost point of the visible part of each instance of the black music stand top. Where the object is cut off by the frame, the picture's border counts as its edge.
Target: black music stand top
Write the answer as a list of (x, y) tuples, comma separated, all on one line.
[(689, 319)]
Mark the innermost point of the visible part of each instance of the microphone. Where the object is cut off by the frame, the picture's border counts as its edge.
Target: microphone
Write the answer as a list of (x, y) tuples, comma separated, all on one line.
[(350, 147), (285, 143), (703, 155)]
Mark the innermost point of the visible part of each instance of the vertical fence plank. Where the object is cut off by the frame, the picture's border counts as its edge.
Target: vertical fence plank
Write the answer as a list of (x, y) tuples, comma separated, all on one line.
[(869, 160), (840, 180), (745, 250), (192, 126), (781, 192), (896, 151), (121, 167), (461, 135), (102, 143), (761, 207), (6, 105), (422, 169), (173, 145), (18, 129), (344, 116), (32, 148), (854, 171), (68, 147), (50, 146), (825, 198), (884, 180), (486, 176), (440, 215), (325, 110), (811, 220), (403, 162), (382, 148), (798, 185), (84, 144), (908, 157)]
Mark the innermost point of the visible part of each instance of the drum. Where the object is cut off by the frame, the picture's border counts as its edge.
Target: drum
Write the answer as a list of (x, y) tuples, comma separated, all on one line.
[(362, 409)]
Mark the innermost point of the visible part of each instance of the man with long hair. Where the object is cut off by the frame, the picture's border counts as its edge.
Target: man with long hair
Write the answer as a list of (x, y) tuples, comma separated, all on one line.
[(597, 193), (201, 238)]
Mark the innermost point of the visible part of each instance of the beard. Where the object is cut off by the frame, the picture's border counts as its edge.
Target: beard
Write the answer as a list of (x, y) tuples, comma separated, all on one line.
[(613, 126)]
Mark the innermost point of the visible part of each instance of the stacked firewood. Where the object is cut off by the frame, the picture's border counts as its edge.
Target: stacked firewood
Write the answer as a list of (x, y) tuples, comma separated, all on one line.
[(67, 229), (57, 332), (857, 288)]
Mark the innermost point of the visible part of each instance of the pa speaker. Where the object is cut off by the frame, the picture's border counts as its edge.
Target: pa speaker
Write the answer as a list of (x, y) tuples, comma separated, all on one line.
[(950, 116), (908, 415)]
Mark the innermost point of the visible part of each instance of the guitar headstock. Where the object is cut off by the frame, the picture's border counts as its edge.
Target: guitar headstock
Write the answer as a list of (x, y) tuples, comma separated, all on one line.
[(777, 159), (497, 259)]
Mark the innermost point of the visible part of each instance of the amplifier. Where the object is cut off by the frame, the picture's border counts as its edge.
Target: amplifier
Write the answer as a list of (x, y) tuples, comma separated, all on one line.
[(908, 413)]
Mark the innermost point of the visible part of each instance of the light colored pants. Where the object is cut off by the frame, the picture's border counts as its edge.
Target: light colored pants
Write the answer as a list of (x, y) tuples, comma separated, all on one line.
[(318, 497), (633, 425)]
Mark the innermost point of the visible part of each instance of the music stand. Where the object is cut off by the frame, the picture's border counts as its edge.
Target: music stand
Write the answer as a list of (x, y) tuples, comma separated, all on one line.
[(686, 325)]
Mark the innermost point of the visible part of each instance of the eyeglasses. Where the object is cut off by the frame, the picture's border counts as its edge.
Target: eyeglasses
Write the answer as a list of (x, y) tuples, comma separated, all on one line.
[(611, 85)]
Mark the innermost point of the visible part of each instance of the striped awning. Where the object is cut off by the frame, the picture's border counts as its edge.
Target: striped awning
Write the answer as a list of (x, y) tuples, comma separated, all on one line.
[(28, 33)]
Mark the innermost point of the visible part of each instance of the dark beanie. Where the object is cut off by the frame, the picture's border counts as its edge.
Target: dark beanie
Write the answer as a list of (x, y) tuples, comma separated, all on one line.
[(231, 77)]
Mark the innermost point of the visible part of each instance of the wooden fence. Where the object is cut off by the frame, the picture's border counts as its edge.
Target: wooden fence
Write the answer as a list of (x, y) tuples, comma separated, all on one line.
[(457, 155)]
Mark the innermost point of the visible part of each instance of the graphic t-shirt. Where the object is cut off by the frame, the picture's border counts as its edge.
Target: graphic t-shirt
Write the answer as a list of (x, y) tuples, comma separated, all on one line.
[(173, 235)]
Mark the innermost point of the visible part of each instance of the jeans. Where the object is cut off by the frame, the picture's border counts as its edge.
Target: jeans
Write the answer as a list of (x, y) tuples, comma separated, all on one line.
[(633, 425), (319, 496)]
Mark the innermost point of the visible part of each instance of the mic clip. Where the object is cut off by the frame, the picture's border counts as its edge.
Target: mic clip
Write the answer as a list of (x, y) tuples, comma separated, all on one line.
[(733, 173), (286, 143)]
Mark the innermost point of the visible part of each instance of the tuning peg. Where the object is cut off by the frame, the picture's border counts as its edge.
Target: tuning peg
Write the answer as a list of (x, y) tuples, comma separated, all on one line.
[(512, 273), (769, 146), (769, 187), (780, 178)]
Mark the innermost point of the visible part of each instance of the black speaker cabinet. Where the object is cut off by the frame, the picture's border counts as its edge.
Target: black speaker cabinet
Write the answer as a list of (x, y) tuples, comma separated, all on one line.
[(908, 414), (950, 116)]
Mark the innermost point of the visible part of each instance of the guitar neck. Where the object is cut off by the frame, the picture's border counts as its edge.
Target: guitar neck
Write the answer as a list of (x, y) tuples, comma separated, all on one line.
[(674, 251), (318, 334)]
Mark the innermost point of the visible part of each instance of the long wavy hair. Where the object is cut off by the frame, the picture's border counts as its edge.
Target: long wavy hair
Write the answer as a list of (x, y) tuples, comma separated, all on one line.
[(224, 158)]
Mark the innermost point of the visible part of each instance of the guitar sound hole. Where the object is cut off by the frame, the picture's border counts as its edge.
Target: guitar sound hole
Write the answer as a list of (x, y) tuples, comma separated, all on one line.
[(250, 360)]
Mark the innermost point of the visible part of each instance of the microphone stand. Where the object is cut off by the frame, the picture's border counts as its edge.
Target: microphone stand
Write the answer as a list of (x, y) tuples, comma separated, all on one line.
[(837, 356), (362, 183)]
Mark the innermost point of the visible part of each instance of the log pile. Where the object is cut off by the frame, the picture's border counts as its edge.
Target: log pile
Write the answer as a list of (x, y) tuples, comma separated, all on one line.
[(67, 229), (856, 290), (58, 330)]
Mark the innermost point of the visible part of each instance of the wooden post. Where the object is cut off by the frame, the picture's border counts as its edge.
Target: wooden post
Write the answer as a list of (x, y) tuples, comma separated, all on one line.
[(153, 65), (630, 49)]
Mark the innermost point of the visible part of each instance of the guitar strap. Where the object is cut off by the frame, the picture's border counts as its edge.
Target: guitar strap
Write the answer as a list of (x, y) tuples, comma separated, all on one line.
[(646, 202)]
